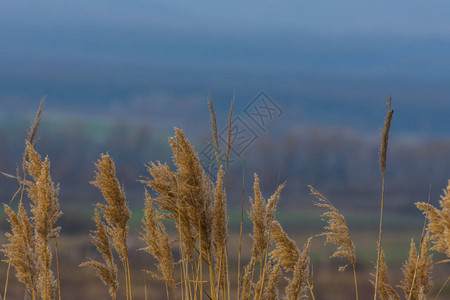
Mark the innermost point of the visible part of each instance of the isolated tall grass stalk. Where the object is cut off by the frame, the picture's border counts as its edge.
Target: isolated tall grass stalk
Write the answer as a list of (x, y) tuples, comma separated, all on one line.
[(230, 121), (241, 224), (383, 156)]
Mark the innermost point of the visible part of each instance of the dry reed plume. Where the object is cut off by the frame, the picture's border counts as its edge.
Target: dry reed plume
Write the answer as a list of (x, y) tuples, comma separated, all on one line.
[(417, 271), (262, 214), (155, 236), (107, 270), (439, 222), (116, 214), (28, 250), (286, 250), (384, 289), (220, 231), (297, 287), (337, 232)]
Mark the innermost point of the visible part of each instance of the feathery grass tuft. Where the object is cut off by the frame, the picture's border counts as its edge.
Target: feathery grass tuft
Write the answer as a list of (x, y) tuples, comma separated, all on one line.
[(21, 250), (116, 212), (30, 238), (286, 251), (439, 222), (336, 231), (107, 270), (262, 214), (297, 287), (220, 231), (384, 289), (155, 236), (417, 271)]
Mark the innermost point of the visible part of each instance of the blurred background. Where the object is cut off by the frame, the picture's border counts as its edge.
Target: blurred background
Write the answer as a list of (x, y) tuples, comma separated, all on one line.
[(118, 76)]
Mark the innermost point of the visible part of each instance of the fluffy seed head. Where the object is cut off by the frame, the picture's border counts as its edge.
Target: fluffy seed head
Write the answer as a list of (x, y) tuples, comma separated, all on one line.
[(336, 232)]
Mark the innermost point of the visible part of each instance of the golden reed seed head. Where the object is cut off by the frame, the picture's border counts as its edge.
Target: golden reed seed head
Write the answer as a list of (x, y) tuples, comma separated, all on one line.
[(297, 286), (214, 129), (270, 291), (20, 251), (46, 212), (417, 271), (116, 212), (385, 136), (35, 125), (336, 231), (439, 222), (384, 289), (230, 117), (106, 270), (286, 251), (219, 230), (262, 216), (157, 240)]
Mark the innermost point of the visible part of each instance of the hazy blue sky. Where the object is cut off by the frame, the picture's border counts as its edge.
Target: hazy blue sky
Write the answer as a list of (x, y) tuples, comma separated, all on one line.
[(318, 57), (412, 18)]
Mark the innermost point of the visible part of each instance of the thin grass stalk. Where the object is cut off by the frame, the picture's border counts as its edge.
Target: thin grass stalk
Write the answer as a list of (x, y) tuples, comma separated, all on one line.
[(383, 155), (356, 283), (195, 275), (227, 278), (129, 278), (442, 287), (214, 128), (218, 290), (188, 278), (211, 275), (420, 245), (242, 221), (184, 260), (230, 116), (379, 240), (7, 279), (263, 268), (167, 291), (57, 269), (124, 264), (251, 280), (145, 289), (200, 262), (310, 289)]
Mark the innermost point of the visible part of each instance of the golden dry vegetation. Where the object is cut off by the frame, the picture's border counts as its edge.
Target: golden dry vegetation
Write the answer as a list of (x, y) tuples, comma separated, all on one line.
[(185, 231)]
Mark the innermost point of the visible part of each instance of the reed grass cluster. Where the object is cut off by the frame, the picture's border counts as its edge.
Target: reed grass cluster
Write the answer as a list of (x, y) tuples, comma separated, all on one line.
[(194, 263), (28, 249)]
